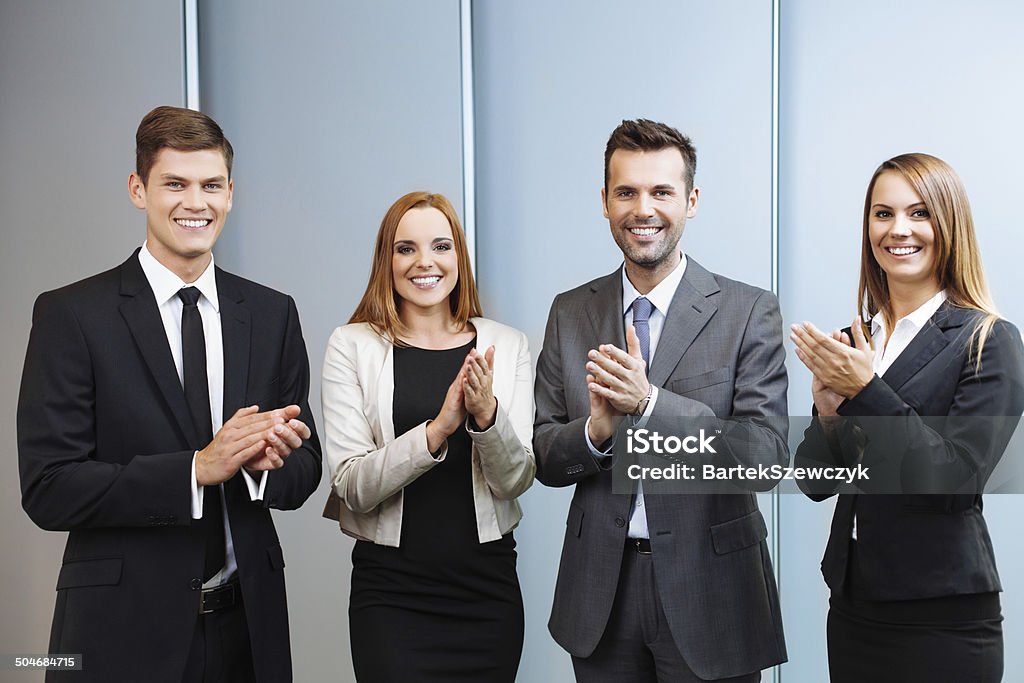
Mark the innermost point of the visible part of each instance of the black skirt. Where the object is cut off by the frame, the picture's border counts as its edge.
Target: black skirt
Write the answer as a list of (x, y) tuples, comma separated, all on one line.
[(947, 639)]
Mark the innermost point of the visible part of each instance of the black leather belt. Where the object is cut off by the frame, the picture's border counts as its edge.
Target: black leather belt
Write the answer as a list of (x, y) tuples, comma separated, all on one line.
[(640, 545), (220, 597)]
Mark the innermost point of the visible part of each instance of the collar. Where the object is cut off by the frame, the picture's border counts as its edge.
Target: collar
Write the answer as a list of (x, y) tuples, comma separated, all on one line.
[(166, 284), (916, 318), (662, 294)]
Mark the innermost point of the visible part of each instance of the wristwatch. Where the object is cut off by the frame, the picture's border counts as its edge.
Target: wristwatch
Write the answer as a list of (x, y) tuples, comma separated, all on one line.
[(641, 405)]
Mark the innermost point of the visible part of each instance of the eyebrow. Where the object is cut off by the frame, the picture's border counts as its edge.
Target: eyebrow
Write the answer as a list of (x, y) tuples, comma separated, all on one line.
[(880, 205), (433, 241), (172, 176), (659, 186)]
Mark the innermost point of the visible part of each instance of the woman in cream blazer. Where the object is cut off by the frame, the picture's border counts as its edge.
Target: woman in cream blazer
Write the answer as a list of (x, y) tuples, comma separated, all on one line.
[(370, 466), (428, 411)]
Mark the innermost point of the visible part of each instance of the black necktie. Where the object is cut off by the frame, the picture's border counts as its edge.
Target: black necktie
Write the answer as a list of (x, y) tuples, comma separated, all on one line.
[(197, 395)]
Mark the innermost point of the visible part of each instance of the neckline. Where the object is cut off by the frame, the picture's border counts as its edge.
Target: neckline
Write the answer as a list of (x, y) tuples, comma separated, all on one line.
[(471, 342)]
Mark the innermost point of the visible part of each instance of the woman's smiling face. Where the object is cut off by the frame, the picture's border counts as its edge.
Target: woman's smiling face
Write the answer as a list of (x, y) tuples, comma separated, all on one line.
[(901, 233)]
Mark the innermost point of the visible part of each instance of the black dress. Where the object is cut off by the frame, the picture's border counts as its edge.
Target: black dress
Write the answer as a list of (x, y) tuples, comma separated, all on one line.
[(442, 606)]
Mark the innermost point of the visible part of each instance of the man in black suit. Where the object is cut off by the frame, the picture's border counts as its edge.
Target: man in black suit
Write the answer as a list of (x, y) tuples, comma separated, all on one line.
[(163, 412), (659, 587)]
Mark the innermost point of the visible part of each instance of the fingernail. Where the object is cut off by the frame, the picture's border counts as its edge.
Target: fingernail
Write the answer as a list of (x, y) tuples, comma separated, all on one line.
[(279, 429)]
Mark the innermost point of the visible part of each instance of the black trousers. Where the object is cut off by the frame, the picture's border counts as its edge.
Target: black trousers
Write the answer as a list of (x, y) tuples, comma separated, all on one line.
[(221, 652)]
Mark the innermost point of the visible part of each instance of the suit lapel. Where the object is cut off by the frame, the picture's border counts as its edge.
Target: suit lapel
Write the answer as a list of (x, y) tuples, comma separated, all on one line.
[(386, 394), (689, 312), (925, 346), (142, 316), (236, 328), (604, 311)]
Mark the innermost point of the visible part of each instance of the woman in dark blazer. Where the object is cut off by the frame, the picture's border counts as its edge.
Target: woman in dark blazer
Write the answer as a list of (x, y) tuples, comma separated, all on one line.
[(928, 409)]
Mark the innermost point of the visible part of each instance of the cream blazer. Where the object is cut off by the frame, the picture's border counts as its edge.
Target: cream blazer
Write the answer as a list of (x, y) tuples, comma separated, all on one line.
[(369, 467)]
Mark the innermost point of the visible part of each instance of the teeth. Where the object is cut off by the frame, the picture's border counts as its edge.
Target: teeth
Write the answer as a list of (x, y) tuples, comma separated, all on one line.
[(903, 251), (428, 280), (644, 232), (201, 223)]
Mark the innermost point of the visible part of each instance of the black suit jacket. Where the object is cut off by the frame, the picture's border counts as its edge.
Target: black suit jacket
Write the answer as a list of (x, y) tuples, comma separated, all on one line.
[(914, 546), (720, 354), (105, 446)]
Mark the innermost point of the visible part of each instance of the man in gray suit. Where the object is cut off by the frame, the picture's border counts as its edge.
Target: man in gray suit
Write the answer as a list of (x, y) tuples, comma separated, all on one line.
[(659, 587)]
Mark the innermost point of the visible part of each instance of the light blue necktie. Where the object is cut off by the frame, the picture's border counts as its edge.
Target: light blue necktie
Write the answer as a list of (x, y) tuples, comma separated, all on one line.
[(642, 308)]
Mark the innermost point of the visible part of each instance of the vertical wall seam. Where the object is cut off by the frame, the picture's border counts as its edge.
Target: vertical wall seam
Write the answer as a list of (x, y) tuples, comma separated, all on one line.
[(776, 496), (190, 52), (468, 131)]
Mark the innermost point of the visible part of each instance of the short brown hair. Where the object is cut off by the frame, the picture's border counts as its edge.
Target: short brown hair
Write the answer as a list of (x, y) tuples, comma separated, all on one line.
[(380, 302), (650, 136), (185, 130)]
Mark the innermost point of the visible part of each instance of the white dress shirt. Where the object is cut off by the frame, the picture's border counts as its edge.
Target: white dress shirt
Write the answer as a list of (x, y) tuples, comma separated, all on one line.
[(165, 285), (661, 298), (903, 332)]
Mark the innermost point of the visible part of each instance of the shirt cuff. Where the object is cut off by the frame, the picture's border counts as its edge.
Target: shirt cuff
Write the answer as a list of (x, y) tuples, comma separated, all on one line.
[(255, 489), (197, 491), (593, 449)]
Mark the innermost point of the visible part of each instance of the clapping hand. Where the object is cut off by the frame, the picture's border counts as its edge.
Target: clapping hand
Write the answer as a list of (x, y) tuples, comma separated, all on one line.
[(478, 387), (621, 376), (258, 441), (617, 384), (451, 416), (840, 369)]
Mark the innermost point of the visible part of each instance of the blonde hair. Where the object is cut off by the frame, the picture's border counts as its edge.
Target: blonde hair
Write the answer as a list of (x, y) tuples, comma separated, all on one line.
[(380, 303), (957, 256)]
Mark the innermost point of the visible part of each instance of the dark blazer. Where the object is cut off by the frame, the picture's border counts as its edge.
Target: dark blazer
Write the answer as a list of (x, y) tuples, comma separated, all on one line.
[(915, 545), (105, 445), (720, 353)]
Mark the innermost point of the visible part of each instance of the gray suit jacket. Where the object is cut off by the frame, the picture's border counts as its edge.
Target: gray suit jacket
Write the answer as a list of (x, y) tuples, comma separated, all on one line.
[(720, 353)]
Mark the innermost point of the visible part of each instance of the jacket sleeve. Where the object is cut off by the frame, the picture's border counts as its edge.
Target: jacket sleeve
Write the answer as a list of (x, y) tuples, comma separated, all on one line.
[(65, 483), (563, 456), (288, 487), (838, 445), (945, 454), (506, 453), (364, 474)]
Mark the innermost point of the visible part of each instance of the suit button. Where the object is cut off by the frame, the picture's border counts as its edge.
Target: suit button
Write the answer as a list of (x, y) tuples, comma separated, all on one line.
[(195, 584), (620, 522)]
